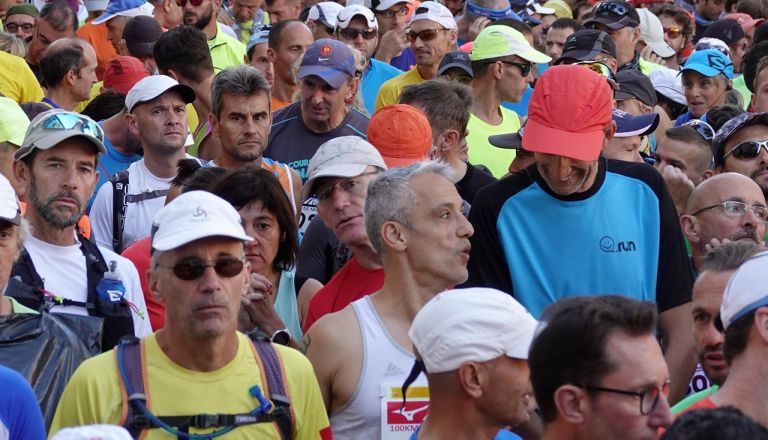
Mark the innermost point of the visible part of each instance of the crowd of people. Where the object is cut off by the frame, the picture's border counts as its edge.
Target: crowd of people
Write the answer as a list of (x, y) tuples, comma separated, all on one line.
[(383, 219)]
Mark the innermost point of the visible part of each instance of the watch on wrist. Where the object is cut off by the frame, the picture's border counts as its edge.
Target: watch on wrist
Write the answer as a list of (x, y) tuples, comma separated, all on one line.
[(282, 337)]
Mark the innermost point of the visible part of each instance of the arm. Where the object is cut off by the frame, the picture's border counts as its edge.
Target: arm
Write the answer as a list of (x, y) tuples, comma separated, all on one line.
[(677, 331), (101, 216), (306, 293), (297, 187)]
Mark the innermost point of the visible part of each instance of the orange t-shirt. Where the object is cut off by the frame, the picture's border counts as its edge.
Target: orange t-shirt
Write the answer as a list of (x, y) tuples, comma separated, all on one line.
[(278, 104), (96, 34)]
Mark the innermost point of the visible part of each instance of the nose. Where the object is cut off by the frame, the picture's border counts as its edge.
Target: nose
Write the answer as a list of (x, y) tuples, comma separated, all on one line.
[(209, 281), (562, 167), (465, 229), (69, 180), (661, 417), (712, 337), (340, 199), (763, 155)]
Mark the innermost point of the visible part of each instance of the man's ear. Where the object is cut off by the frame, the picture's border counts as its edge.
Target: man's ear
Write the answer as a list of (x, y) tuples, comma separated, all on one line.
[(271, 55), (572, 404), (472, 378), (449, 139), (130, 122), (609, 131), (394, 236), (214, 123), (70, 77), (690, 226), (635, 35), (22, 173)]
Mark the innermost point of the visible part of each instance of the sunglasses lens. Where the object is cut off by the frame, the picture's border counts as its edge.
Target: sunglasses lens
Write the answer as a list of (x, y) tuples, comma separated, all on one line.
[(228, 267), (425, 35), (747, 150), (188, 270), (672, 32), (67, 121)]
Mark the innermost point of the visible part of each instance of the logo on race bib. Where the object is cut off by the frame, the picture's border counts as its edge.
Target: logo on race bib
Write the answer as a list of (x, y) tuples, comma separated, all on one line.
[(411, 413)]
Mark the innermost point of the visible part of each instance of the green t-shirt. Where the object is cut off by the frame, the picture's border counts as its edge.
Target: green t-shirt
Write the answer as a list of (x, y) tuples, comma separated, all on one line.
[(481, 152), (693, 398), (18, 308), (740, 85)]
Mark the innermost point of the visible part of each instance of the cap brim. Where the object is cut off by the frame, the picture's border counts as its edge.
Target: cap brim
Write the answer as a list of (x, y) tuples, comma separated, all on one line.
[(702, 69), (395, 162), (578, 55), (620, 95), (464, 67), (335, 78), (510, 141), (661, 48), (341, 170), (15, 220), (640, 126), (386, 4), (103, 18), (534, 56), (185, 236), (586, 146), (521, 343)]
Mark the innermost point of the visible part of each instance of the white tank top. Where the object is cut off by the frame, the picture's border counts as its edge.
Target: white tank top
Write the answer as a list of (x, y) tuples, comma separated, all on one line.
[(385, 365)]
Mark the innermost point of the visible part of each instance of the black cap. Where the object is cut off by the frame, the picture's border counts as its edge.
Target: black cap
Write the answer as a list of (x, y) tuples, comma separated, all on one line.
[(509, 141), (726, 30), (614, 15), (586, 45), (634, 84), (458, 59), (140, 34)]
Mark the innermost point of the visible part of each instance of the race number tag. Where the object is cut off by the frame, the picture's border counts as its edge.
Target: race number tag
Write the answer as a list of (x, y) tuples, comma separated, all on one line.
[(699, 381), (398, 422), (308, 212)]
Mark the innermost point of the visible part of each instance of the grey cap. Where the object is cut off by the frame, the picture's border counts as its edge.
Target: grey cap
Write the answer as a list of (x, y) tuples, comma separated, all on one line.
[(344, 156), (50, 128)]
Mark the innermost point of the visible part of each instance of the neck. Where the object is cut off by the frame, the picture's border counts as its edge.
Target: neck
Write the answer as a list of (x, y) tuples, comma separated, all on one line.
[(559, 430), (202, 104), (211, 30), (283, 90), (163, 166), (62, 98), (232, 163), (114, 130), (43, 231), (459, 168), (427, 71), (405, 292), (197, 355), (5, 305), (698, 255), (486, 108), (321, 127), (745, 388), (367, 256), (451, 417)]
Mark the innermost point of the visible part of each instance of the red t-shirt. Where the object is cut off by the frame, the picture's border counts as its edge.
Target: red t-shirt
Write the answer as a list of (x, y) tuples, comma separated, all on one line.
[(139, 254), (349, 284)]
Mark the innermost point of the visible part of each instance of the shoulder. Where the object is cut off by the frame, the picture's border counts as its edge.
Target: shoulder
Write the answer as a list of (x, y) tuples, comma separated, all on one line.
[(285, 114), (332, 329), (642, 172), (357, 121), (497, 193), (384, 68)]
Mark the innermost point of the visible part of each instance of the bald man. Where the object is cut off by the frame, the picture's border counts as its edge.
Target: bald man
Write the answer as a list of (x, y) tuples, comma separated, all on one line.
[(68, 67), (728, 206)]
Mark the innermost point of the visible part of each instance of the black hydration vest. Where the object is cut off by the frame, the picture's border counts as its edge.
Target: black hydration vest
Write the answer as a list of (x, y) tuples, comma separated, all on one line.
[(118, 321)]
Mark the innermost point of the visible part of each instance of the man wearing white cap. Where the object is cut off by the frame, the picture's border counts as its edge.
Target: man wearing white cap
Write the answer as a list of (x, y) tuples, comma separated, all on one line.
[(652, 45), (357, 27), (157, 116), (11, 244), (57, 165), (414, 220), (198, 363), (322, 19), (393, 19), (433, 33), (473, 346), (744, 318)]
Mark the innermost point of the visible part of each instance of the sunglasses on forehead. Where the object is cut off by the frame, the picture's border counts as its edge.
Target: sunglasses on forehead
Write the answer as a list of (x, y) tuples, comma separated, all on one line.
[(72, 121), (602, 70), (615, 8)]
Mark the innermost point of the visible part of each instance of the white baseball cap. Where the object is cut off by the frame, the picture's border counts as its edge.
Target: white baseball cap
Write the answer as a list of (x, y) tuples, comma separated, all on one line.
[(10, 210), (93, 432), (652, 32), (746, 291), (436, 12), (153, 86), (326, 13), (125, 8), (192, 216), (344, 156), (668, 83), (379, 5), (471, 325), (349, 12)]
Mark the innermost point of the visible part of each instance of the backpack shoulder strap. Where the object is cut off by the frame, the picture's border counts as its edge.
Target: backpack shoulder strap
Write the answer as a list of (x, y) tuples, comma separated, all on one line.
[(119, 190), (129, 355), (278, 392)]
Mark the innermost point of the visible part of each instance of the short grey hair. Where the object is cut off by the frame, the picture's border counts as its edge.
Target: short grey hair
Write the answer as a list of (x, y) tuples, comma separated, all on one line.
[(729, 256), (391, 198), (242, 80)]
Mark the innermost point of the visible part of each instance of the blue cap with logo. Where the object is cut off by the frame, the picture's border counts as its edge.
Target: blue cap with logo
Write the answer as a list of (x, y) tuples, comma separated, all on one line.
[(124, 8), (709, 62), (329, 59)]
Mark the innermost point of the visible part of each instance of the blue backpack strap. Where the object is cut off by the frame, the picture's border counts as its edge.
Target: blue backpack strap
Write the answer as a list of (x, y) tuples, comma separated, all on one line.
[(273, 371), (131, 371)]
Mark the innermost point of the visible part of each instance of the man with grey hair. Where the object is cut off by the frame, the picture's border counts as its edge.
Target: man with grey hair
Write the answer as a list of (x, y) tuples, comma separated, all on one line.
[(362, 354), (241, 120)]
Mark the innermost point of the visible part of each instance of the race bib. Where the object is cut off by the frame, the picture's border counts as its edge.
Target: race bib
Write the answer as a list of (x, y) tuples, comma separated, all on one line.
[(308, 212), (699, 381), (398, 422)]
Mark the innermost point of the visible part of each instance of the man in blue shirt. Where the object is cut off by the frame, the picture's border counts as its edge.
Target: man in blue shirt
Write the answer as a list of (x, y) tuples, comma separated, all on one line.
[(575, 223), (20, 415)]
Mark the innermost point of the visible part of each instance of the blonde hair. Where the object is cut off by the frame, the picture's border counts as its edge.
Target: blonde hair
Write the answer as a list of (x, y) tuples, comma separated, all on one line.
[(12, 44)]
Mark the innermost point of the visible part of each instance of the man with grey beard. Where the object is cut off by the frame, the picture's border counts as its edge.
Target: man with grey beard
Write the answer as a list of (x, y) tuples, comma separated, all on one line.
[(726, 207), (56, 164)]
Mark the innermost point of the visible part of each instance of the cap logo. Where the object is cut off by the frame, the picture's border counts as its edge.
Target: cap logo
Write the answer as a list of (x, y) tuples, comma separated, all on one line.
[(200, 213), (325, 52), (716, 61)]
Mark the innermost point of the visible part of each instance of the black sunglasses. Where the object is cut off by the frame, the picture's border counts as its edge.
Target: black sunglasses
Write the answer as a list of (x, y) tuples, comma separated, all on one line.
[(525, 69), (351, 34), (747, 150), (193, 268)]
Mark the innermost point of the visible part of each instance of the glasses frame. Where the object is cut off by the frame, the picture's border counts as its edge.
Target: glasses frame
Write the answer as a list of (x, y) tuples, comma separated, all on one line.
[(736, 203), (412, 36), (402, 12), (13, 27), (358, 32), (205, 265), (525, 69), (760, 145), (658, 391), (326, 195)]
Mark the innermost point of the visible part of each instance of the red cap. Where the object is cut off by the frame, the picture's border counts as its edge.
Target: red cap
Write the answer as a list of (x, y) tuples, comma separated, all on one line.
[(745, 20), (401, 133), (569, 109), (123, 73)]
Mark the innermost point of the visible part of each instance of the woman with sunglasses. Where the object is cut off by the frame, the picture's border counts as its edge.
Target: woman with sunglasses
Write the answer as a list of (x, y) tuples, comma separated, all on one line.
[(270, 305), (707, 76)]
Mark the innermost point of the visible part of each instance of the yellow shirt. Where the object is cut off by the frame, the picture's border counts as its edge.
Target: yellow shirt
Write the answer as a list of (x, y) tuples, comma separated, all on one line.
[(17, 80), (390, 90), (225, 50), (93, 394), (481, 152)]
